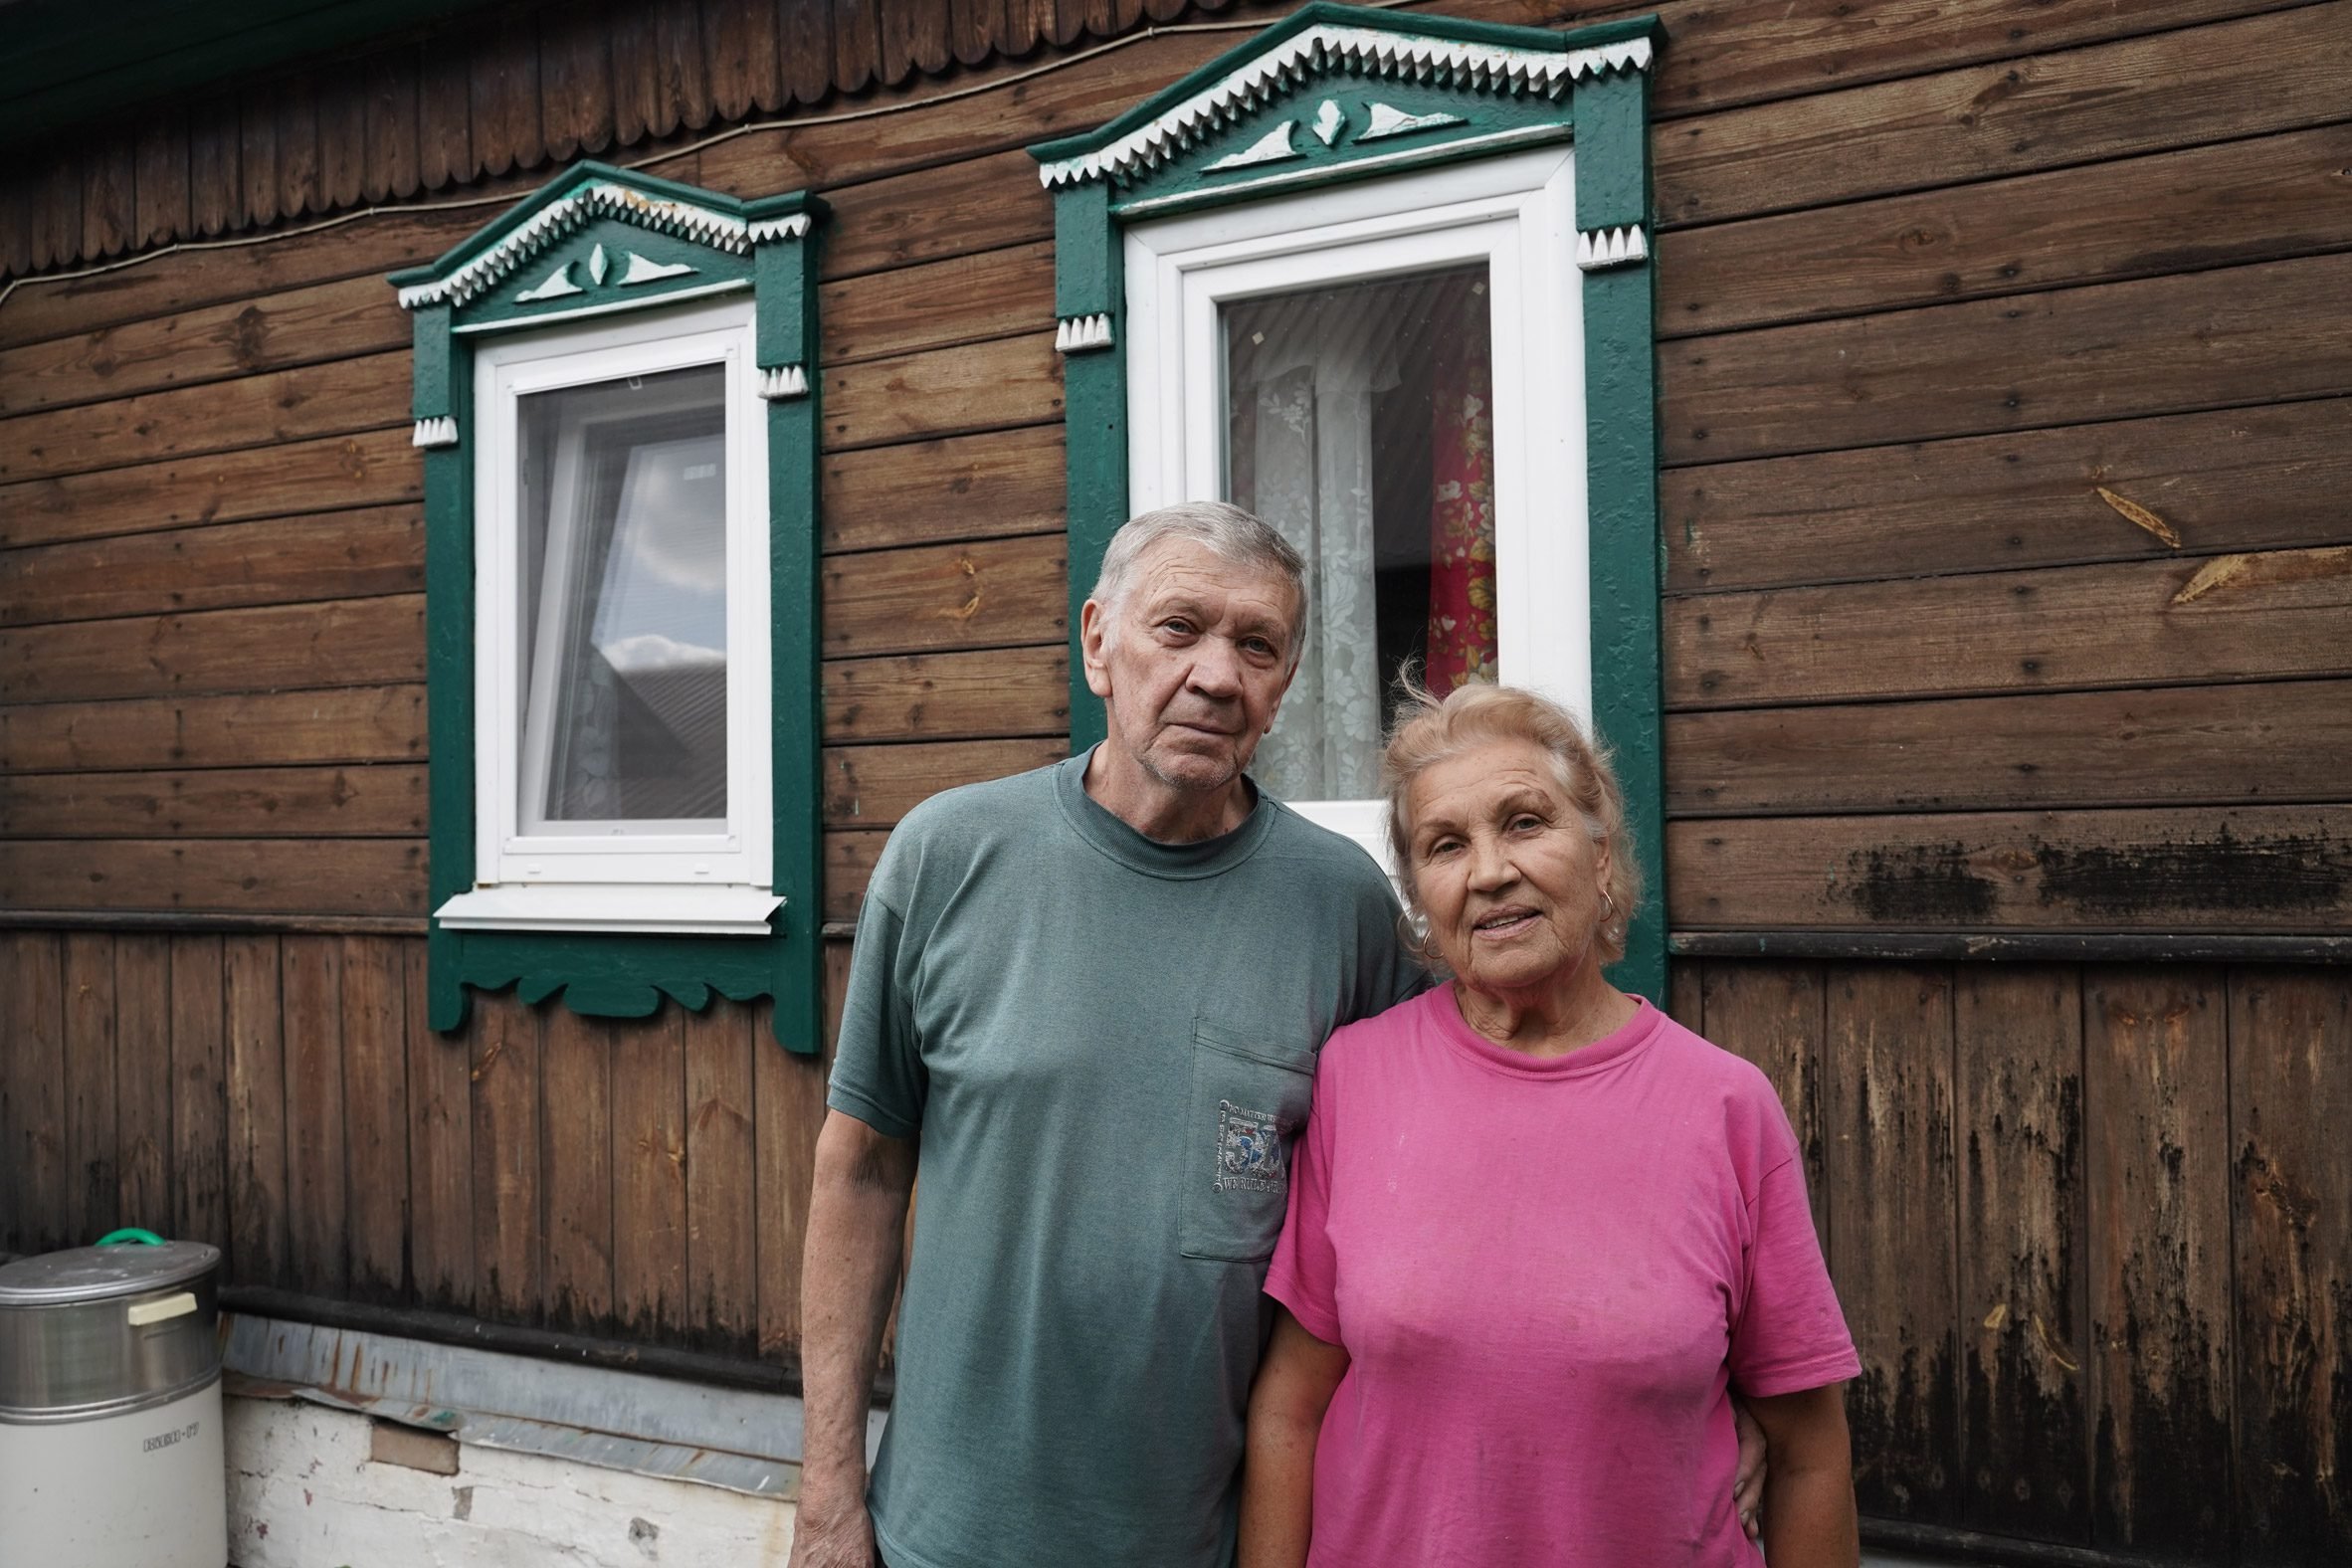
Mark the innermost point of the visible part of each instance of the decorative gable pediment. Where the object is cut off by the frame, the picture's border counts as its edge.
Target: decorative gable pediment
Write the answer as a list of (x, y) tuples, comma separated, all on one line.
[(1336, 89)]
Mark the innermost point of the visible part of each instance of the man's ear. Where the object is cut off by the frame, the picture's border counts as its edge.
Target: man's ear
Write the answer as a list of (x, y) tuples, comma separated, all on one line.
[(1094, 635)]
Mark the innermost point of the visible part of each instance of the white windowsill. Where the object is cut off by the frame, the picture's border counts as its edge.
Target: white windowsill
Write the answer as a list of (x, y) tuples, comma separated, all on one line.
[(609, 906)]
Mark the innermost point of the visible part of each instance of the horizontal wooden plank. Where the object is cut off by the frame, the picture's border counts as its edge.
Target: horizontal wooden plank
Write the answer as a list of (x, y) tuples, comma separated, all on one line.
[(348, 641), (2159, 345), (963, 488), (279, 560), (992, 593), (2175, 745), (850, 857), (342, 398), (875, 786), (940, 391), (2248, 869), (374, 468), (248, 729), (948, 696), (385, 801), (2278, 72), (2284, 613), (2031, 499), (268, 331), (996, 294), (2242, 201), (372, 877), (977, 204)]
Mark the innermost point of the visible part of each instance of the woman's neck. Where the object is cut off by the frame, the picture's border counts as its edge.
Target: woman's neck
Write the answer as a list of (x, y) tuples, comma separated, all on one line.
[(1550, 1020)]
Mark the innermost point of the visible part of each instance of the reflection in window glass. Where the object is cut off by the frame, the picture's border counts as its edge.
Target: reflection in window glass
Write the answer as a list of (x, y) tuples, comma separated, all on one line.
[(623, 670), (1360, 424)]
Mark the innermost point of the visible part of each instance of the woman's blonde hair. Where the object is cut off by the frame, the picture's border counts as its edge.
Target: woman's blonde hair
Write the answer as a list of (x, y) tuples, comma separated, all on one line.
[(1427, 730)]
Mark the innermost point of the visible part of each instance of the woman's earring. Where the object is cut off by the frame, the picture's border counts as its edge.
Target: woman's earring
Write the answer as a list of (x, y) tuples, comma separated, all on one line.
[(1608, 913)]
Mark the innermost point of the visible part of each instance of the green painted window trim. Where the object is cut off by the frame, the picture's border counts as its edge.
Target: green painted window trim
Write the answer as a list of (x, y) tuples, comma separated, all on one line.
[(1591, 89), (582, 226)]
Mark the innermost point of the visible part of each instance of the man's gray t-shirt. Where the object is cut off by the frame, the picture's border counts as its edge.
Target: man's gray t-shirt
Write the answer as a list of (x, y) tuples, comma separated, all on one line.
[(1105, 1046)]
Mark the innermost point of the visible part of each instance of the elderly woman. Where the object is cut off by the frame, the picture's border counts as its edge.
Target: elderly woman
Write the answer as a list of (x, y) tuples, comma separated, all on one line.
[(1538, 1233)]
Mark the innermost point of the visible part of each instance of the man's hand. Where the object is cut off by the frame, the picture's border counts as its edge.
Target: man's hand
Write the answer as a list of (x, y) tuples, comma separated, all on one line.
[(837, 1537), (1747, 1492)]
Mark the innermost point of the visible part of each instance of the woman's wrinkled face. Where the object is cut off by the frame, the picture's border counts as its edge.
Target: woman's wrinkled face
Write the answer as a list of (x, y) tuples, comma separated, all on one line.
[(1506, 868)]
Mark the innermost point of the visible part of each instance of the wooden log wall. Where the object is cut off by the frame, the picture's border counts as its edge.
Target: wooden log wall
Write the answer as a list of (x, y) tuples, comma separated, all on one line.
[(2007, 379)]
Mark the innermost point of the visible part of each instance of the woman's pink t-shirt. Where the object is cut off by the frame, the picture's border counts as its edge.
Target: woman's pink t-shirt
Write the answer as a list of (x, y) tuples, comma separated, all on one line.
[(1547, 1275)]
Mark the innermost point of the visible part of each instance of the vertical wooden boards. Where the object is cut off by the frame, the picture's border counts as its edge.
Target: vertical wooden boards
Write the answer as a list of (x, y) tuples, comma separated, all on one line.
[(257, 1190), (576, 1148), (144, 1081), (788, 1109), (2290, 1102), (91, 1196), (649, 1180), (2155, 1094), (376, 1112), (2018, 1085), (722, 1278), (35, 1018), (1891, 1170), (199, 1093), (1772, 1014), (317, 1179), (439, 1149), (511, 1282)]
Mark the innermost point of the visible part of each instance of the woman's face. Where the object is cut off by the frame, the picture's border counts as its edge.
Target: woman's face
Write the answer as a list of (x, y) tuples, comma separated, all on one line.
[(1504, 868)]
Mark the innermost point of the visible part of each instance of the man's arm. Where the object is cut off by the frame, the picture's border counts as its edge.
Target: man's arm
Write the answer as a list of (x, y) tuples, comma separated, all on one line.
[(1808, 1518), (1295, 1381), (857, 1222)]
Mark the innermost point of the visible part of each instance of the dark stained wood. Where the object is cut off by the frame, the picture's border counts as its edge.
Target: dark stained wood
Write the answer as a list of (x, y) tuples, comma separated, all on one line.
[(510, 1263), (1773, 1016), (634, 72), (295, 101), (576, 1166), (874, 786), (722, 1222), (978, 204), (1890, 1156), (2156, 1076), (214, 180), (505, 94), (375, 1113), (576, 81), (199, 1161), (255, 1099), (934, 392), (683, 88), (2228, 79), (344, 642), (2171, 746), (649, 1175), (2280, 613), (857, 44), (925, 697), (2027, 498), (275, 875), (788, 1099), (92, 1192), (342, 148), (804, 48), (963, 488), (259, 189), (2158, 345), (2290, 1097), (340, 555), (16, 222), (2241, 870), (353, 724), (304, 476), (389, 116), (35, 1012), (141, 997), (1685, 993), (110, 212), (56, 223), (160, 186), (2019, 1090), (739, 53), (997, 294), (444, 119), (998, 591), (341, 398), (440, 1148), (850, 857), (317, 1182)]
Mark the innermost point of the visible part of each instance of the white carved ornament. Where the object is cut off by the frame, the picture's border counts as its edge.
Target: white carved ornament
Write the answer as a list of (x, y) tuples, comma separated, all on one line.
[(1074, 334), (784, 382), (431, 433), (1599, 249)]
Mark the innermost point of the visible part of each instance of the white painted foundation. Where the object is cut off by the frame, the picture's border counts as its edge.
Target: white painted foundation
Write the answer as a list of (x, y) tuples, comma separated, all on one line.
[(304, 1492)]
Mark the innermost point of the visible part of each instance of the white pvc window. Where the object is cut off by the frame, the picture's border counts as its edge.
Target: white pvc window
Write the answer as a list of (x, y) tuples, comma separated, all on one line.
[(1390, 372), (622, 745)]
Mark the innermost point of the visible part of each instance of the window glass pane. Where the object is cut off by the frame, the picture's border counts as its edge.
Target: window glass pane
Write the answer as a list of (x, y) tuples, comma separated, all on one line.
[(1360, 424), (624, 615)]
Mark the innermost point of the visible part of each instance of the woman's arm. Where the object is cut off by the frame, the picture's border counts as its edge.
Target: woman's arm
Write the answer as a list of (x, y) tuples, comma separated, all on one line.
[(1295, 1381), (1808, 1489)]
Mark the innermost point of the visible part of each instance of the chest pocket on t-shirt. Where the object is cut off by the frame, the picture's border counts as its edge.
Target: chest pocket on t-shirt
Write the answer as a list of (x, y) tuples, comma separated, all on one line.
[(1248, 1101)]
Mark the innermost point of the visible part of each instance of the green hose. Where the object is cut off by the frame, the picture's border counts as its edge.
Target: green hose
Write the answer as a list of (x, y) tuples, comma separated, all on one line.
[(130, 1232)]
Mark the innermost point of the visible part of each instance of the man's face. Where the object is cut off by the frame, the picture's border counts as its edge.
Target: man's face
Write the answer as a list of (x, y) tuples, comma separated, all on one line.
[(1195, 667)]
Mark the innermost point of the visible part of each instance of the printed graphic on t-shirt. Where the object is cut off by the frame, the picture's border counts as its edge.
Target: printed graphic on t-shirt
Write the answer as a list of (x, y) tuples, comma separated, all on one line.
[(1250, 1155)]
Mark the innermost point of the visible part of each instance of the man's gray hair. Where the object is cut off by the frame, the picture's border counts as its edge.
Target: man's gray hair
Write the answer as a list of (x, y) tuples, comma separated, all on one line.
[(1224, 532)]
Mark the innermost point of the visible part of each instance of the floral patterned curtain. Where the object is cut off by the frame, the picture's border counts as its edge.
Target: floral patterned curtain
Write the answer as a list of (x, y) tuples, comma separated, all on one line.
[(1462, 643)]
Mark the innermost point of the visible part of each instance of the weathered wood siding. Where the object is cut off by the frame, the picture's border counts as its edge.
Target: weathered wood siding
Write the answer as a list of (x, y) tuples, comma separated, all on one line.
[(2008, 392)]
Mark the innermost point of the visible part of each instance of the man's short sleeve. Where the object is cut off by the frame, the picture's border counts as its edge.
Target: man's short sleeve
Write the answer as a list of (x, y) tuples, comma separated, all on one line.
[(878, 1066)]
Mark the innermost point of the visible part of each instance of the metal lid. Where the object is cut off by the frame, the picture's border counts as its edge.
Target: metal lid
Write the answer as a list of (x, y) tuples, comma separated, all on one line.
[(97, 1273)]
